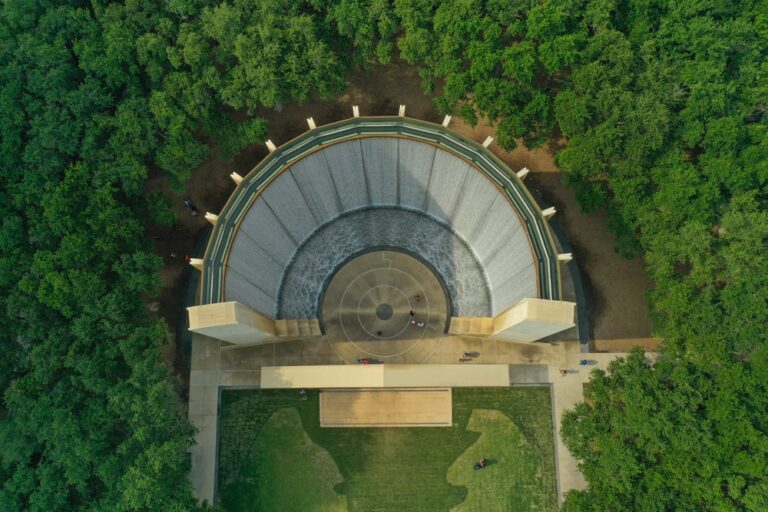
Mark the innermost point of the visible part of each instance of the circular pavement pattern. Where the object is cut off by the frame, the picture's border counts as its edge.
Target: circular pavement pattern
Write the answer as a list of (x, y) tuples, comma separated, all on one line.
[(384, 304)]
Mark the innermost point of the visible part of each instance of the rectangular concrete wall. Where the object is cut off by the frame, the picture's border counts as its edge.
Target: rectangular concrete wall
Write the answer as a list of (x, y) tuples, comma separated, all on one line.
[(231, 322), (533, 319), (385, 376)]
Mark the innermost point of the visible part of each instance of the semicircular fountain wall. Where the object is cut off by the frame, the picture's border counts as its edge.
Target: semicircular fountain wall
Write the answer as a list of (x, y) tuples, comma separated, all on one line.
[(370, 183)]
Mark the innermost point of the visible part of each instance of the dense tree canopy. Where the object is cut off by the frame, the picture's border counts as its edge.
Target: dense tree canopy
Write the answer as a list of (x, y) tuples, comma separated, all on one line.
[(671, 436), (662, 109), (92, 419), (93, 94), (486, 54)]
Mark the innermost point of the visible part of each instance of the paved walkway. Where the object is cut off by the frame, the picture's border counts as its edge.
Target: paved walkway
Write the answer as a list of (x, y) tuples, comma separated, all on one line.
[(217, 364)]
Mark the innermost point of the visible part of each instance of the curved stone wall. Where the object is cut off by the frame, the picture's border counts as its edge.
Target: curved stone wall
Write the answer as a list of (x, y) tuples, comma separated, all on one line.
[(309, 184)]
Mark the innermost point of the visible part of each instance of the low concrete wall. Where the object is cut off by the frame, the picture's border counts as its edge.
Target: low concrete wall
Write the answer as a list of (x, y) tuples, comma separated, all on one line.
[(385, 376)]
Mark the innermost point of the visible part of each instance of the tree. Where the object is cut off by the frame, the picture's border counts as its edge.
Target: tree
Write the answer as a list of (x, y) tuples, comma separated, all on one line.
[(671, 436), (490, 61), (91, 419), (370, 26), (272, 51)]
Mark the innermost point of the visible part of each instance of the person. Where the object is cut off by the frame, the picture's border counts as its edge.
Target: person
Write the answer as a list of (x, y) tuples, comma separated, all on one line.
[(563, 372), (417, 298), (379, 333), (583, 362), (192, 208), (420, 324), (412, 313), (482, 463), (413, 322)]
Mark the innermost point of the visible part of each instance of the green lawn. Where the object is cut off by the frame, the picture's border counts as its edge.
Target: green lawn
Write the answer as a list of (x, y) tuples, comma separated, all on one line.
[(274, 456)]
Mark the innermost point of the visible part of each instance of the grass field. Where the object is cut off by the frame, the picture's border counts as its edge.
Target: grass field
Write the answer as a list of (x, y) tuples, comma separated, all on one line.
[(274, 456)]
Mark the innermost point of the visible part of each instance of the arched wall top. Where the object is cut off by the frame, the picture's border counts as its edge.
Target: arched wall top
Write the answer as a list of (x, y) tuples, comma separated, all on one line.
[(229, 219)]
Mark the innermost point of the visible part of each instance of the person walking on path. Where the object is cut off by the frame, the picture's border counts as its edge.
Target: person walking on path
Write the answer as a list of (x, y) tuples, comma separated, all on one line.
[(192, 208)]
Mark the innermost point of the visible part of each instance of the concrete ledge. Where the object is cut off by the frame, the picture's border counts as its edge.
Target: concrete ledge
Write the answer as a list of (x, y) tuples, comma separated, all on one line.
[(385, 376)]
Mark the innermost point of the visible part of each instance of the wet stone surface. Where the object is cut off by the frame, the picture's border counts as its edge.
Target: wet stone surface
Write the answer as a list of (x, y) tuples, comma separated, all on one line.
[(331, 246)]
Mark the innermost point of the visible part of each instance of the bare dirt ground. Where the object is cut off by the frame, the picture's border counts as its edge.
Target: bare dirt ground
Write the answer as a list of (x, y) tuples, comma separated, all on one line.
[(617, 286)]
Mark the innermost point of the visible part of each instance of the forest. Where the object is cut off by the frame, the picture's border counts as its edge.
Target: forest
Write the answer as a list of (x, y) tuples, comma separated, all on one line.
[(662, 108)]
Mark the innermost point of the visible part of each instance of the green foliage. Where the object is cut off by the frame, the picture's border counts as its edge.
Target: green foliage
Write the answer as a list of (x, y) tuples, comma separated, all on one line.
[(370, 25), (159, 209), (262, 53), (665, 128), (234, 137), (488, 58), (93, 96), (91, 417), (671, 436), (663, 113), (662, 107)]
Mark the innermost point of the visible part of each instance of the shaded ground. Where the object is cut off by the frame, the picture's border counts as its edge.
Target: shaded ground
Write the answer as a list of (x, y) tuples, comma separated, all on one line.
[(387, 469), (618, 286)]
